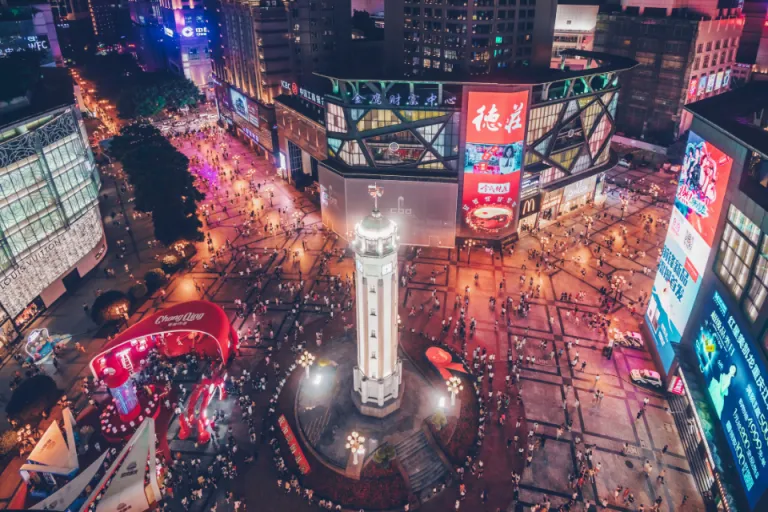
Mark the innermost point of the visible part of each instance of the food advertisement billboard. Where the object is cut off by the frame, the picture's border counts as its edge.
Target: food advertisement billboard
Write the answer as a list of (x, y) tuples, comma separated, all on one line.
[(735, 377), (698, 203), (493, 160)]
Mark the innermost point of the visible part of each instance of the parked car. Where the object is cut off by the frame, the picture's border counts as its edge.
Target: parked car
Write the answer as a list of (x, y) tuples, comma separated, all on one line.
[(647, 377), (632, 339)]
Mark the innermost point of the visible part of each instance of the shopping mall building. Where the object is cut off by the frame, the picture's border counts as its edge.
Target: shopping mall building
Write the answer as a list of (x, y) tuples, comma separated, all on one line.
[(50, 226), (707, 318), (482, 159)]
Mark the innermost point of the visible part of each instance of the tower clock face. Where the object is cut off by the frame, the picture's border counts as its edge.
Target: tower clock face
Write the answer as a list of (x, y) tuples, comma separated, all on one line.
[(386, 269), (359, 265)]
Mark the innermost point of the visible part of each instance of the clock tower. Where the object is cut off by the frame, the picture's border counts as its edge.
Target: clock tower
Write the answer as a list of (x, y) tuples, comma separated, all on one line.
[(378, 373)]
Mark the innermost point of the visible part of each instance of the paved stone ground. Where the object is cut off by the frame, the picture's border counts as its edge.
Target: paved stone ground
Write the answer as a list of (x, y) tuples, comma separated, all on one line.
[(605, 426)]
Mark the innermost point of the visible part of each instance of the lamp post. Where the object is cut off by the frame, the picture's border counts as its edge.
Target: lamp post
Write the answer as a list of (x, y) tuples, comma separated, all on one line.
[(454, 386), (355, 445), (468, 245), (306, 360)]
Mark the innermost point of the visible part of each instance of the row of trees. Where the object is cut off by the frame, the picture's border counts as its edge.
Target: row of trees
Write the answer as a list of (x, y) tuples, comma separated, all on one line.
[(163, 185), (135, 92)]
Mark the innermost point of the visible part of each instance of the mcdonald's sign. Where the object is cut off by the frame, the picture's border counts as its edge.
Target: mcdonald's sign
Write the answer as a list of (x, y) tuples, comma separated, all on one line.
[(530, 206)]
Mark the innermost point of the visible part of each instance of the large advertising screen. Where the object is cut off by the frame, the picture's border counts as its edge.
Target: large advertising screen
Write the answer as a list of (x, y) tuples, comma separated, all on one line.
[(493, 160), (735, 376), (698, 203), (239, 103), (425, 212)]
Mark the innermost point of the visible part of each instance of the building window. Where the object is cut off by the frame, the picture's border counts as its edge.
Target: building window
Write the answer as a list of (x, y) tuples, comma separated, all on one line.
[(737, 251), (335, 118), (758, 288)]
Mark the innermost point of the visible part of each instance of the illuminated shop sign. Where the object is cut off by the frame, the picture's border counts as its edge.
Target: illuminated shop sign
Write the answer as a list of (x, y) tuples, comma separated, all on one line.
[(719, 80), (493, 158), (20, 284), (702, 85), (691, 234), (168, 31), (529, 185), (306, 94), (692, 88), (530, 206), (735, 375), (194, 32), (578, 189), (711, 83), (239, 104)]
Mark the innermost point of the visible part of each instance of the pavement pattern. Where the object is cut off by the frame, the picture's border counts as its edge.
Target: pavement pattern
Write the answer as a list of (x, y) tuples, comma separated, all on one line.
[(606, 426)]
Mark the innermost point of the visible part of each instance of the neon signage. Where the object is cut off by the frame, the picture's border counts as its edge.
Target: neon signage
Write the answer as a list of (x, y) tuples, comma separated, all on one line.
[(690, 236), (493, 158)]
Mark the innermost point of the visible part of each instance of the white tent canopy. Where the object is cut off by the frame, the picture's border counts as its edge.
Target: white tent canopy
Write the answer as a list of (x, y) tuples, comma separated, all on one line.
[(63, 498), (52, 454), (127, 490)]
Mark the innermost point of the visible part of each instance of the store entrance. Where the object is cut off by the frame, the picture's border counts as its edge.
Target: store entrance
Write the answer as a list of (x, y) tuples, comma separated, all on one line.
[(72, 281)]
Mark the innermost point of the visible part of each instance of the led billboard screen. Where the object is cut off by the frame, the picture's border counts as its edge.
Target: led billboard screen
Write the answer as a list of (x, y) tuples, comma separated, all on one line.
[(493, 157), (691, 233), (735, 376), (239, 104)]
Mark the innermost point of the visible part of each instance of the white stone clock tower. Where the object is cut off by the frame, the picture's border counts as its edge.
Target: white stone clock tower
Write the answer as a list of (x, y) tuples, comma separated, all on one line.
[(379, 370)]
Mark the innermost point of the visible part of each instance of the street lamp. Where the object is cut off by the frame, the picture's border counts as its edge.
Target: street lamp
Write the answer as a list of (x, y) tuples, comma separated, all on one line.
[(454, 386), (468, 245), (355, 445), (306, 360)]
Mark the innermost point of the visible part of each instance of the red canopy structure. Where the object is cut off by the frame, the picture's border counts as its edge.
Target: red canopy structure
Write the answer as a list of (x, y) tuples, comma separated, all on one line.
[(198, 327)]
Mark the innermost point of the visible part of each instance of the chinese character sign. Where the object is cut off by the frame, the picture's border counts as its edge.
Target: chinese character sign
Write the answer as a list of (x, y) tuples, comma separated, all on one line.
[(691, 233), (496, 118), (735, 375), (493, 160)]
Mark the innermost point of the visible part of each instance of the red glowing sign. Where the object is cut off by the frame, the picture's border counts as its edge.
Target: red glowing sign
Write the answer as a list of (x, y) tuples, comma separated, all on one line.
[(293, 444), (493, 160), (676, 386), (494, 118), (692, 89)]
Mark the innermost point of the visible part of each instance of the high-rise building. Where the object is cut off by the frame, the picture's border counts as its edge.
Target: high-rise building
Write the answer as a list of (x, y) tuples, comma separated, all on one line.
[(111, 22), (147, 35), (574, 29), (185, 30), (753, 49), (686, 52), (49, 185), (30, 27), (467, 37), (264, 44), (707, 317)]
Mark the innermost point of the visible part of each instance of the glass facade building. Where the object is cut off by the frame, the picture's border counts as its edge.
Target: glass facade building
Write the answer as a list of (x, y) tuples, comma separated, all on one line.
[(49, 218)]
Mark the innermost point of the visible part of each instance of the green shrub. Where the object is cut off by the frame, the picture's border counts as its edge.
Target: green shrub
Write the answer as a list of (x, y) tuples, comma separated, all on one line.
[(385, 455), (138, 291), (155, 278), (439, 421), (109, 307), (171, 263)]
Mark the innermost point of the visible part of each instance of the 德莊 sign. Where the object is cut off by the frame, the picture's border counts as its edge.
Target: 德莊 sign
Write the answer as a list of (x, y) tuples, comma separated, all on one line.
[(493, 161)]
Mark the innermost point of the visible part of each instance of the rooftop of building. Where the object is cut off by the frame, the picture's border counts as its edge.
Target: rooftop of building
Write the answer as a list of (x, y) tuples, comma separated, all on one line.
[(674, 14), (735, 112), (54, 89), (373, 71)]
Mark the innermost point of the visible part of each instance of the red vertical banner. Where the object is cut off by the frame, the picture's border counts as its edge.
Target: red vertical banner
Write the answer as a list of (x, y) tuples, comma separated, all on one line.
[(493, 161), (293, 445)]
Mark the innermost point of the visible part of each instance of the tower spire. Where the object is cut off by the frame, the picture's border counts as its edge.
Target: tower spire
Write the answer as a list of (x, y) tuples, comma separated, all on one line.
[(375, 191)]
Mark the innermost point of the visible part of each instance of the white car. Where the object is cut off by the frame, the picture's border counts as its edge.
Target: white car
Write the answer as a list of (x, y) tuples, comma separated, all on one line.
[(648, 377)]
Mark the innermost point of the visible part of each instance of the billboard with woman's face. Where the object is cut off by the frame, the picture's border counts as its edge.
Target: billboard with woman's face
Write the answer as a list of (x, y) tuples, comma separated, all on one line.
[(493, 161)]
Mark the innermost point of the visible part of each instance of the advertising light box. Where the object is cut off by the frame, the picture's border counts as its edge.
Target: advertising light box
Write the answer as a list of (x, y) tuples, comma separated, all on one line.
[(493, 159), (239, 103), (735, 375), (698, 203)]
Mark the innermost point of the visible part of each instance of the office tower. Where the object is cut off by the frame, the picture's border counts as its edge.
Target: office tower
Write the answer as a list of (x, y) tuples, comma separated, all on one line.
[(185, 30), (467, 36), (686, 52)]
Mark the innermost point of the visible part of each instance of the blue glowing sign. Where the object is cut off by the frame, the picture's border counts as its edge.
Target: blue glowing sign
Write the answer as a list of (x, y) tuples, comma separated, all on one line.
[(735, 375)]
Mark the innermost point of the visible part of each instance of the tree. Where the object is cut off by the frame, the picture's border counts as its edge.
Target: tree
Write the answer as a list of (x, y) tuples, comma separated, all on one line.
[(162, 182)]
